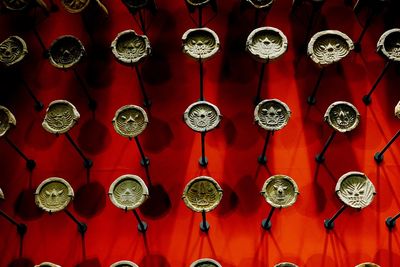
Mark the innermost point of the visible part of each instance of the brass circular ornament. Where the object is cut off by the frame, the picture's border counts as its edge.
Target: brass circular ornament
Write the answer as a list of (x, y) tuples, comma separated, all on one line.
[(271, 114), (128, 192), (47, 264), (200, 43), (261, 3), (130, 121), (397, 110), (130, 48), (266, 43), (202, 194), (367, 264), (12, 50), (285, 264), (202, 116), (124, 264), (1, 194), (330, 46), (75, 6), (7, 120), (389, 44), (53, 194), (280, 191), (342, 116), (60, 117), (205, 262), (355, 190), (66, 51)]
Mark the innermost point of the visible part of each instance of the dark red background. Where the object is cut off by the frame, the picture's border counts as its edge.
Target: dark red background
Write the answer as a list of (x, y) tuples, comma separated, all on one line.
[(171, 79)]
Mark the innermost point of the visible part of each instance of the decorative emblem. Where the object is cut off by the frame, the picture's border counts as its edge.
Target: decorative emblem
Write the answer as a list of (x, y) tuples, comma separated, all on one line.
[(128, 192), (1, 194), (12, 50), (266, 43), (205, 262), (66, 51), (202, 193), (280, 191), (272, 114), (330, 46), (60, 117), (285, 264), (53, 194), (367, 264), (7, 120), (389, 44), (47, 264), (200, 43), (355, 190), (130, 121), (202, 116), (261, 3), (130, 48), (342, 116), (75, 6), (397, 110)]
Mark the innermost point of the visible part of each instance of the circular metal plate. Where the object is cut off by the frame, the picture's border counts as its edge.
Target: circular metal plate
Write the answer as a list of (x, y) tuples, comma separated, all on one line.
[(202, 194), (1, 194), (355, 190), (66, 51), (271, 114), (280, 191), (397, 110), (12, 50), (261, 3), (367, 264), (17, 5), (342, 116), (285, 264), (7, 120), (266, 43), (130, 121), (124, 264), (200, 43), (128, 192), (202, 116), (53, 194), (327, 47), (75, 6), (389, 44), (130, 48), (60, 117), (205, 262), (47, 264)]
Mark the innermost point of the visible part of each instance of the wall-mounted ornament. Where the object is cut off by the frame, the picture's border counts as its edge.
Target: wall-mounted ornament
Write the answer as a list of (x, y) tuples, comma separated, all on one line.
[(285, 264), (205, 262), (202, 194), (47, 264), (124, 263)]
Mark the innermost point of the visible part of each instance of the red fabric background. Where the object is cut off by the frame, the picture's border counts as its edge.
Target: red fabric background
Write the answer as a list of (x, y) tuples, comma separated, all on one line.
[(171, 79)]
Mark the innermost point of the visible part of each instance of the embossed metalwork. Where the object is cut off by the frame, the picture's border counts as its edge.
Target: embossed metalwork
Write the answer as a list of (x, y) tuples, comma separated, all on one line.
[(75, 6), (202, 194), (130, 48), (12, 50), (200, 43), (1, 194), (330, 46), (205, 262), (271, 114), (202, 116), (124, 264), (355, 190), (130, 121), (342, 116), (285, 264), (280, 191), (53, 194), (7, 120), (47, 264), (66, 51), (128, 192), (367, 264), (261, 3), (266, 43), (389, 44), (61, 116), (397, 110)]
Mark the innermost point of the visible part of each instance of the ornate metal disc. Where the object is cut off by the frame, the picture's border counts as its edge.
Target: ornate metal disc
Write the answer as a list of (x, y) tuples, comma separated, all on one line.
[(397, 110), (342, 116), (261, 3), (130, 48), (367, 264), (1, 194), (280, 191), (202, 193), (124, 264), (266, 43), (285, 264), (75, 6), (205, 262), (355, 190), (197, 2), (330, 46), (128, 192), (12, 50), (54, 194), (130, 121), (271, 114), (202, 116), (389, 44), (47, 264), (60, 117), (7, 120), (66, 51), (200, 43)]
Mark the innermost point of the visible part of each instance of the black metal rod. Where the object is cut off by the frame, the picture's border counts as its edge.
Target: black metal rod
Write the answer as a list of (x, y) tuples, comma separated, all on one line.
[(142, 22), (82, 227), (310, 22), (366, 26), (320, 156), (334, 217), (395, 217), (141, 85), (35, 32), (380, 154), (144, 158), (311, 99), (367, 97), (138, 219), (203, 147), (271, 212), (201, 80), (38, 104), (8, 218), (264, 150), (16, 148), (204, 221), (72, 217), (82, 84), (260, 82), (76, 147)]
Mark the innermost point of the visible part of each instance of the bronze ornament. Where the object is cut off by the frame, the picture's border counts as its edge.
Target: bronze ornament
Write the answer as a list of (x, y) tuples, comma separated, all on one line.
[(389, 44), (130, 121), (280, 191), (342, 116), (47, 264), (53, 194), (12, 50), (61, 116), (397, 110), (66, 51), (130, 48), (202, 116), (205, 262), (200, 43), (271, 114), (7, 120)]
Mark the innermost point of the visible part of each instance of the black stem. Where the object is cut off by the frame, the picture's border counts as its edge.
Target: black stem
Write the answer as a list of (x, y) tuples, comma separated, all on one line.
[(260, 82), (82, 84), (310, 22), (334, 217), (395, 217), (141, 85), (204, 221), (138, 219), (328, 142), (8, 218), (264, 150), (142, 22), (16, 148), (201, 80), (271, 212), (30, 92), (72, 217), (385, 68), (203, 147), (366, 26), (380, 154), (35, 32), (311, 98), (140, 149), (76, 147)]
